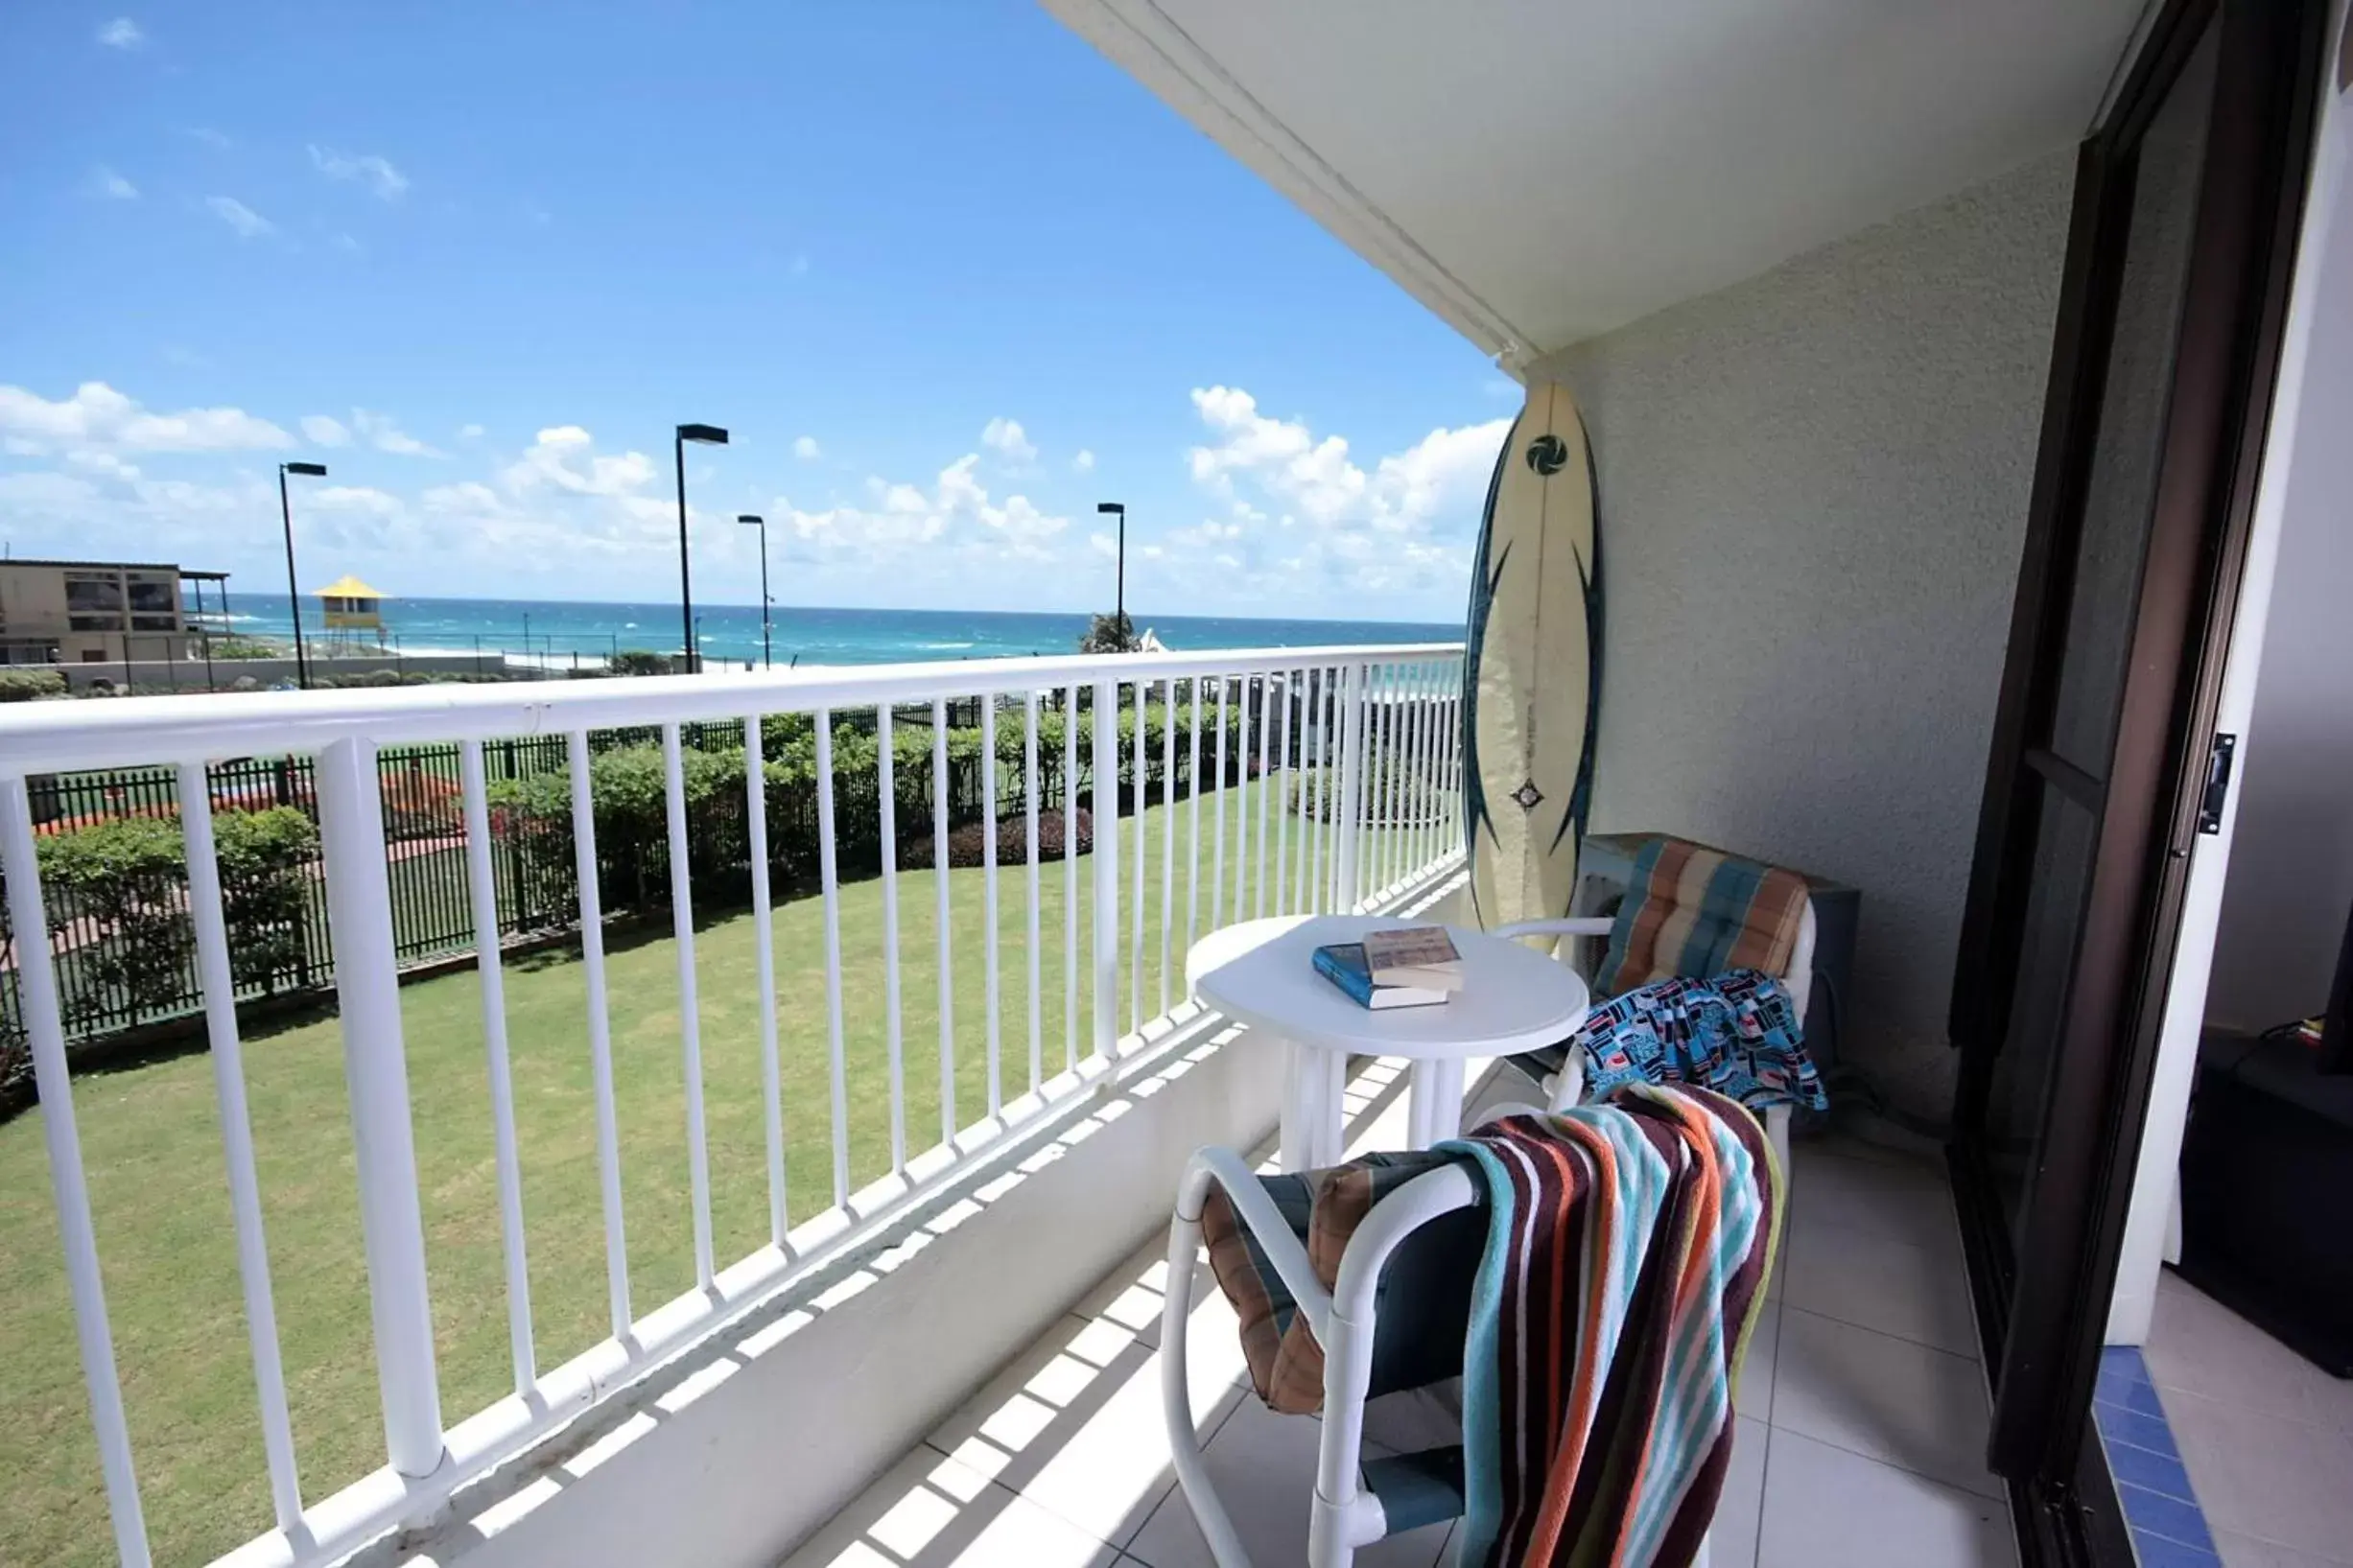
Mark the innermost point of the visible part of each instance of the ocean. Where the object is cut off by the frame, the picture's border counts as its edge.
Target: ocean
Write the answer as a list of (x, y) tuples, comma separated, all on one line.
[(555, 632)]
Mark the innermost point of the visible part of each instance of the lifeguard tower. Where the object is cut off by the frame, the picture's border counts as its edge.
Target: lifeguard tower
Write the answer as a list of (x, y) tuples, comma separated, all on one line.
[(353, 613)]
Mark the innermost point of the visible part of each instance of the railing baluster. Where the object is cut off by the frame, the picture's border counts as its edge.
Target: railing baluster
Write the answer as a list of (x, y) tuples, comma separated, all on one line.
[(1349, 816), (887, 816), (1328, 805), (1241, 806), (599, 1034), (1192, 806), (1134, 940), (988, 886), (1285, 775), (1266, 779), (1069, 879), (1312, 832), (1439, 712), (1106, 868), (1452, 835), (764, 951), (474, 789), (36, 992), (1217, 868), (1410, 820), (1384, 771), (1434, 812), (1168, 833), (1409, 720), (376, 1074), (939, 880), (1029, 804), (228, 1074), (689, 1007), (830, 887)]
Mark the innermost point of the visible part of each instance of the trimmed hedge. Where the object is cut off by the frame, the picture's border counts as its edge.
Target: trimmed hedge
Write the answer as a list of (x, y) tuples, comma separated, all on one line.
[(119, 891), (36, 685)]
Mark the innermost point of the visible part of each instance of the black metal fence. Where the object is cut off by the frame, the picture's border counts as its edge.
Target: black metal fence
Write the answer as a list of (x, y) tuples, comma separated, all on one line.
[(532, 863)]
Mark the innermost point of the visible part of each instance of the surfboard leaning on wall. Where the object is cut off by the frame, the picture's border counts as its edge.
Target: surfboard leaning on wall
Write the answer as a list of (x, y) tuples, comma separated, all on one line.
[(1533, 675)]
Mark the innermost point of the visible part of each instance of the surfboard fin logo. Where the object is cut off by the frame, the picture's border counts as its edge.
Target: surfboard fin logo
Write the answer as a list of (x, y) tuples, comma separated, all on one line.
[(1548, 454)]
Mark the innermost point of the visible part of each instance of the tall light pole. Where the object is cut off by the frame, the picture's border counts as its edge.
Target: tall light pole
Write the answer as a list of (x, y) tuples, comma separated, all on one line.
[(294, 594), (767, 659), (1119, 613), (710, 435)]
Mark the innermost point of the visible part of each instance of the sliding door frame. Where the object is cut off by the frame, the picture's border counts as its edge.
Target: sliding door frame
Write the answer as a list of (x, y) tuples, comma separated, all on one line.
[(2042, 1305)]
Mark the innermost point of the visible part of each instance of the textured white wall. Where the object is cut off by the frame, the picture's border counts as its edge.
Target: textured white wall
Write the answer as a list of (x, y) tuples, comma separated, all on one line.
[(1813, 490)]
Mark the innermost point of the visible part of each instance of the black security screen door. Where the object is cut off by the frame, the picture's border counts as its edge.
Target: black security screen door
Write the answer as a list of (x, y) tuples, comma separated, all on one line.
[(2186, 202)]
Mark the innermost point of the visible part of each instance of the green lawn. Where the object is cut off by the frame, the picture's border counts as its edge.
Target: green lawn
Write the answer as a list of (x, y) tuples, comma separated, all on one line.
[(151, 1148)]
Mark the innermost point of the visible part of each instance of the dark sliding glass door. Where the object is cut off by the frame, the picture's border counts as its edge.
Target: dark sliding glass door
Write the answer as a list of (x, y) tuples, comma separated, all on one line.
[(2185, 206)]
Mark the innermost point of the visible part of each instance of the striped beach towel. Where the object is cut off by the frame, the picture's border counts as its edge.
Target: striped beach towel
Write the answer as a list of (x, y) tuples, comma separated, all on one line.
[(1597, 1304), (1625, 1263)]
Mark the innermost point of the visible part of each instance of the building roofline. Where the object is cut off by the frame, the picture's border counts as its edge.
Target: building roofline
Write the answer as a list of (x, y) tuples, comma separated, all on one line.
[(115, 566)]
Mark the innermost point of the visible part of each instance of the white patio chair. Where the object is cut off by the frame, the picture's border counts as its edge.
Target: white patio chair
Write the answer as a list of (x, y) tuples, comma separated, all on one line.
[(1563, 1081), (1354, 1504)]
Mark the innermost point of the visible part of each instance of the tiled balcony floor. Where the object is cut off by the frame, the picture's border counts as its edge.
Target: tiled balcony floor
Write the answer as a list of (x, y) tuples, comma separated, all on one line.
[(1862, 1413), (2266, 1436)]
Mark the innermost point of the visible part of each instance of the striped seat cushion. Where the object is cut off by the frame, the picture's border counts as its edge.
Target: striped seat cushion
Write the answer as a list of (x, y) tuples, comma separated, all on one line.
[(1692, 912), (1421, 1303)]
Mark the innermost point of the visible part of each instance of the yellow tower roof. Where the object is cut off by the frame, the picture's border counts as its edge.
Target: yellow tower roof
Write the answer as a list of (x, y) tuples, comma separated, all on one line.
[(345, 586)]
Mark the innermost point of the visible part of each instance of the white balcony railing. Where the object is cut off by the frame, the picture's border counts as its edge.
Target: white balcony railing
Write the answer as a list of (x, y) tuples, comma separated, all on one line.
[(1330, 776)]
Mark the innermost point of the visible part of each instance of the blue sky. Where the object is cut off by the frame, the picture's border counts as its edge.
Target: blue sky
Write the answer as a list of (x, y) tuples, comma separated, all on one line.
[(947, 275)]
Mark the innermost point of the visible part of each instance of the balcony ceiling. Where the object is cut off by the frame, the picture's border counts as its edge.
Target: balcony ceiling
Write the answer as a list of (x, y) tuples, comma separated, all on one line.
[(1541, 171)]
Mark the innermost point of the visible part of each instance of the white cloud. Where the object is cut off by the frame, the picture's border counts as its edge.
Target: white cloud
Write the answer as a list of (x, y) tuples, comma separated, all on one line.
[(122, 33), (553, 462), (375, 430), (956, 523), (97, 415), (99, 460), (342, 240), (354, 498), (387, 182), (805, 449), (218, 141), (1404, 528), (106, 183), (1006, 437), (470, 432), (1084, 463), (247, 222), (379, 431), (1432, 480)]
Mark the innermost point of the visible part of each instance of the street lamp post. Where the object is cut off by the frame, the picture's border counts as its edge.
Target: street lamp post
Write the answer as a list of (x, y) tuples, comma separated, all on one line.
[(1118, 612), (702, 436), (768, 658), (294, 594)]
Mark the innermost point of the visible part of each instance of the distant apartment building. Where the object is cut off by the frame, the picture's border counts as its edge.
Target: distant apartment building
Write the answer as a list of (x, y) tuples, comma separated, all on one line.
[(90, 612)]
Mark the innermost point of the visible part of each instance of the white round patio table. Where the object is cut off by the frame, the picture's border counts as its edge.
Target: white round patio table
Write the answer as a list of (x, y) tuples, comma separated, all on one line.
[(1261, 972)]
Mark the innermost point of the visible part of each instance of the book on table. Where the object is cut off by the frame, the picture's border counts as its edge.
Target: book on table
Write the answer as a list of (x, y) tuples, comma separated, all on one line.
[(1420, 956), (1344, 965)]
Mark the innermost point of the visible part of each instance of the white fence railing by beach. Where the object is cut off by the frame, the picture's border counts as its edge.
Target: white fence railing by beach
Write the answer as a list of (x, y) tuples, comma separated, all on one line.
[(1357, 802)]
